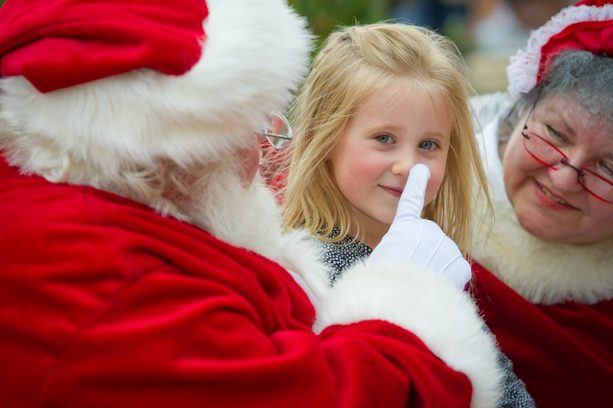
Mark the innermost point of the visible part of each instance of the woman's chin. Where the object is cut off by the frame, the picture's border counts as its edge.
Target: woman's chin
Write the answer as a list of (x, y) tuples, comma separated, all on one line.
[(555, 232), (541, 228)]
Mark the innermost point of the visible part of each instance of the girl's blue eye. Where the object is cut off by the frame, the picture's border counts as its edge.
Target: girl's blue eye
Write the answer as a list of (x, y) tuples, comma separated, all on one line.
[(428, 145), (384, 138)]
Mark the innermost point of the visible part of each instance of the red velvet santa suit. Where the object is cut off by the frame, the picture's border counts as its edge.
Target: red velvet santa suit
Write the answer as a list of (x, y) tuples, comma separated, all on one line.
[(549, 305), (106, 303)]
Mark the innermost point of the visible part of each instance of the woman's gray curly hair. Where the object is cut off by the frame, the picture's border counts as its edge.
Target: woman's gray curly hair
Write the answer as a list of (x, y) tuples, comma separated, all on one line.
[(582, 76)]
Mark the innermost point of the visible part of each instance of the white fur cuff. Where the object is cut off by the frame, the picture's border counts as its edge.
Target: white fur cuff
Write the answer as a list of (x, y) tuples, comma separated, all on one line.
[(427, 305)]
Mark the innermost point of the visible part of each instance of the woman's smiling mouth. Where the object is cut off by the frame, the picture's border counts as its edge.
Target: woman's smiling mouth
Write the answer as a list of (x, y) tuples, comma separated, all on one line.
[(550, 200)]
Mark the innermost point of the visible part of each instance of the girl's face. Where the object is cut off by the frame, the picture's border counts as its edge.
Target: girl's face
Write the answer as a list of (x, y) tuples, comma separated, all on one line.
[(392, 130), (550, 203)]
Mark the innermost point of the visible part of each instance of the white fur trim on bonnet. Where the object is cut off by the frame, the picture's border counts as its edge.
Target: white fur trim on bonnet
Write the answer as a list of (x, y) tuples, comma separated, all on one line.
[(524, 67)]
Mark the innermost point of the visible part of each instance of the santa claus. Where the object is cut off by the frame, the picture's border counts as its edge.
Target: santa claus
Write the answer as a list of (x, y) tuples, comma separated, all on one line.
[(142, 261)]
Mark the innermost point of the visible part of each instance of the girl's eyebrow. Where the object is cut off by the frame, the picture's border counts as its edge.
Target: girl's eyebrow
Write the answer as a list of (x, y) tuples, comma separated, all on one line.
[(437, 134), (380, 127)]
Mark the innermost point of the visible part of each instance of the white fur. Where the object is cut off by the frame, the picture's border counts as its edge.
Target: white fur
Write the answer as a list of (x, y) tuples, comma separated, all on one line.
[(249, 218), (255, 53), (542, 272), (300, 255), (545, 272), (429, 306), (486, 107)]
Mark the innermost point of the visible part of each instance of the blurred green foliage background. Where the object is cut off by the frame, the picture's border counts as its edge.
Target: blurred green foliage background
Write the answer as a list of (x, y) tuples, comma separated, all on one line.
[(325, 15)]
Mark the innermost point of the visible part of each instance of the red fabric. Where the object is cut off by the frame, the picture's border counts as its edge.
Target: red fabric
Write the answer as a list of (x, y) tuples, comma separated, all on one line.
[(273, 169), (593, 36), (563, 352), (104, 303), (594, 2), (60, 43)]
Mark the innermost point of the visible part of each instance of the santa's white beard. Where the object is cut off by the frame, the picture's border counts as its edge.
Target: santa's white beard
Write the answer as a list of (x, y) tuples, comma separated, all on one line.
[(245, 217), (249, 217)]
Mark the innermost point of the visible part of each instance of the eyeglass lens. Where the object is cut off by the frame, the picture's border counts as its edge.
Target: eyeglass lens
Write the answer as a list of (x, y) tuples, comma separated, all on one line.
[(278, 132), (548, 155)]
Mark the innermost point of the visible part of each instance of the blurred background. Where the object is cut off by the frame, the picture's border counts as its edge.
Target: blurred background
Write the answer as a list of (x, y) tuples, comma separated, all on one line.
[(487, 32)]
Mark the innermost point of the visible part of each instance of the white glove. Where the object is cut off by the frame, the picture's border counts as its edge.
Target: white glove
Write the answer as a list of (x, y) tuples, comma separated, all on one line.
[(420, 242)]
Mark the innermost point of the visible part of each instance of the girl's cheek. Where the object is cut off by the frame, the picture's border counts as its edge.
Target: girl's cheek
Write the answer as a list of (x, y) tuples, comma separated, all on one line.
[(434, 184)]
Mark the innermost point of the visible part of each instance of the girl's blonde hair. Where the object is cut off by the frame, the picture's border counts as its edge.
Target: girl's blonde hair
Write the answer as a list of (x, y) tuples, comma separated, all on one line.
[(352, 63)]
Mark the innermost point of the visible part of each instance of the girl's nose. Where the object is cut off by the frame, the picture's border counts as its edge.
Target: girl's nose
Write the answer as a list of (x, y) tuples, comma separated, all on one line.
[(402, 165)]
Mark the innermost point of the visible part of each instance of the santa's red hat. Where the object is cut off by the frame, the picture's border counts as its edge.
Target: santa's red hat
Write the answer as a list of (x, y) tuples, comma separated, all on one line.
[(56, 44), (587, 26), (131, 80)]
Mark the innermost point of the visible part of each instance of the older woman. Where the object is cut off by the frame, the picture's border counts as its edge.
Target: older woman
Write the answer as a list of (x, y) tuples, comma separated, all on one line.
[(543, 275)]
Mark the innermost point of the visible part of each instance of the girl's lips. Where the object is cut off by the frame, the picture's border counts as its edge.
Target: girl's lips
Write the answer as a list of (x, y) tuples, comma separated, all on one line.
[(549, 199), (392, 190)]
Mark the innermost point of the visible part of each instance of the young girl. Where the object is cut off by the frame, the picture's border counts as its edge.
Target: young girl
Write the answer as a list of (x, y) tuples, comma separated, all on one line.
[(379, 99)]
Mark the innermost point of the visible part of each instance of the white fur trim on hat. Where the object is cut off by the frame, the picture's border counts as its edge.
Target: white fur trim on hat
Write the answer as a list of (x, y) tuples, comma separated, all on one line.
[(255, 54), (523, 69)]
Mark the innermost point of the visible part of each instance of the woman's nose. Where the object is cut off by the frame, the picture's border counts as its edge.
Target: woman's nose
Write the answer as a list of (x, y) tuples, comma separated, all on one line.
[(565, 178)]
